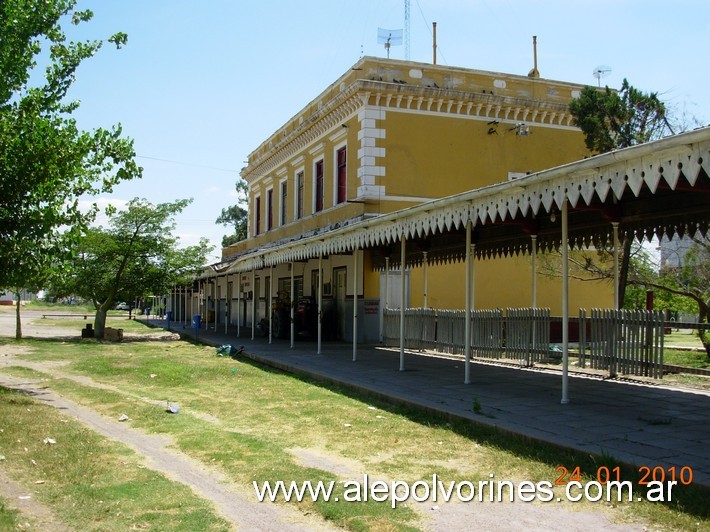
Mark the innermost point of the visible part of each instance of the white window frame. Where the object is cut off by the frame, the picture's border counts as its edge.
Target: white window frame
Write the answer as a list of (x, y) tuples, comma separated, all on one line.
[(300, 170), (269, 209), (320, 159), (337, 147), (283, 207)]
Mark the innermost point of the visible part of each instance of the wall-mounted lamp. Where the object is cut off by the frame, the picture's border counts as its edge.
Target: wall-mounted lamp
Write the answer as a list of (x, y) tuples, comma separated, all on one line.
[(553, 216), (521, 129)]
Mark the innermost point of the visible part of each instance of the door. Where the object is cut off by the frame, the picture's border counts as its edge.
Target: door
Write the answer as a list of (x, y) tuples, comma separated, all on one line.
[(340, 284)]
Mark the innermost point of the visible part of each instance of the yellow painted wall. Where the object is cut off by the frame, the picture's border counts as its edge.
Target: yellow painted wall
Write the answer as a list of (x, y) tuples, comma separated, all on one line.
[(435, 156), (504, 282)]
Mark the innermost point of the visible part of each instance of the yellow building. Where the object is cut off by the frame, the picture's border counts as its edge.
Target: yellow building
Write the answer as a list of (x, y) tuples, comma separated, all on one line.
[(389, 135)]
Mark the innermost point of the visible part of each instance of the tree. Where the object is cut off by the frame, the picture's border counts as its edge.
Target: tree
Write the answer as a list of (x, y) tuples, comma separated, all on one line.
[(611, 120), (690, 281), (46, 161), (618, 119), (137, 255), (236, 216)]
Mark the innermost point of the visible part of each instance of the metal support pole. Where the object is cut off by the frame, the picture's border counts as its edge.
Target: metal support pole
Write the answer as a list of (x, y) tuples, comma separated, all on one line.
[(565, 306), (467, 325), (533, 252), (425, 263), (227, 303), (403, 294), (615, 228), (253, 302), (293, 304), (239, 303), (320, 301), (355, 276), (270, 300), (385, 305), (216, 303)]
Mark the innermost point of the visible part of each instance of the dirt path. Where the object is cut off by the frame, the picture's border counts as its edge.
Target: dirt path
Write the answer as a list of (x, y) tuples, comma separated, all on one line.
[(236, 507)]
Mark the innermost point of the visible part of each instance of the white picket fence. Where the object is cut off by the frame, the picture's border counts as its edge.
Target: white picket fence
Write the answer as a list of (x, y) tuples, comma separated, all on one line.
[(628, 342), (522, 334)]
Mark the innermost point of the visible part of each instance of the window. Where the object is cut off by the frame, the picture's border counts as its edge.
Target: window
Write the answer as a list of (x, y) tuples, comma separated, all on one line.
[(341, 175), (299, 195), (270, 209), (284, 203), (284, 287), (257, 215), (319, 186)]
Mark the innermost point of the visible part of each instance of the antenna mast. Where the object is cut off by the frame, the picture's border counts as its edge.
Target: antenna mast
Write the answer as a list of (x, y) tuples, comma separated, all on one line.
[(406, 29)]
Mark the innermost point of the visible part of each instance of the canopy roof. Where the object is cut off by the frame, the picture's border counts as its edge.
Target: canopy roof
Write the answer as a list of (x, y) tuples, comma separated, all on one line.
[(659, 188)]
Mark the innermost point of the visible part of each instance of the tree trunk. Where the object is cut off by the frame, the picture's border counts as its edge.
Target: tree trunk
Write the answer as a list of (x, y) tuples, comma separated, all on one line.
[(100, 321), (18, 319), (624, 270), (704, 317)]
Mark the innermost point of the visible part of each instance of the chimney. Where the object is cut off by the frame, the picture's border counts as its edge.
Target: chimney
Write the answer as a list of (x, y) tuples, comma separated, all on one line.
[(434, 45), (534, 73)]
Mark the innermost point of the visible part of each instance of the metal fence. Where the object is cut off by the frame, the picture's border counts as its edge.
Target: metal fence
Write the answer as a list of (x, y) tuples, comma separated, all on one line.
[(522, 333), (628, 342)]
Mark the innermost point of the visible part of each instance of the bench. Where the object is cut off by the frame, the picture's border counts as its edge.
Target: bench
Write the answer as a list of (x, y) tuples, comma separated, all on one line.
[(44, 316)]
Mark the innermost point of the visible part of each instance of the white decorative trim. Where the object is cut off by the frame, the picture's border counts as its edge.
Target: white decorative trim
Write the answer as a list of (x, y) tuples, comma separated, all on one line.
[(580, 183), (317, 148)]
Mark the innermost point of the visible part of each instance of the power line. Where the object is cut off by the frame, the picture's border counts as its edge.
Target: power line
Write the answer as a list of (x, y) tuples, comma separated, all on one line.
[(187, 164)]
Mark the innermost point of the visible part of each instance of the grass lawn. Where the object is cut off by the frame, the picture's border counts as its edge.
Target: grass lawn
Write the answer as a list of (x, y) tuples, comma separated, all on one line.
[(254, 423), (90, 482)]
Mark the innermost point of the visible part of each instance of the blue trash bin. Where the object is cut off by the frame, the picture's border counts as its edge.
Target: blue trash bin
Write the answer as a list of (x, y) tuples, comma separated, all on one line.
[(147, 311), (169, 315), (196, 321)]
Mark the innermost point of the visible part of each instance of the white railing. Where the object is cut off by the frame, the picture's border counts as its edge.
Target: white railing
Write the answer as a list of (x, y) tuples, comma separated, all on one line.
[(523, 334), (628, 342)]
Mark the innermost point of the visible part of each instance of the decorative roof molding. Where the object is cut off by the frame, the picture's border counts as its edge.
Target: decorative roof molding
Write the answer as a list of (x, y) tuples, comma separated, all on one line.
[(405, 98)]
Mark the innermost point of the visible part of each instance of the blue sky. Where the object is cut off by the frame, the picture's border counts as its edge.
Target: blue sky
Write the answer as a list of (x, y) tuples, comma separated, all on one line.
[(201, 84)]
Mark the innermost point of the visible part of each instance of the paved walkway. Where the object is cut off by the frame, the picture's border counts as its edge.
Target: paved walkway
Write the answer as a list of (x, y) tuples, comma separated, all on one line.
[(638, 424)]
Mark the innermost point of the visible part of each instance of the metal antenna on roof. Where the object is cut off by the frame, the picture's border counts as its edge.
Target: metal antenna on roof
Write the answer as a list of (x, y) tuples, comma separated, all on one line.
[(389, 38), (600, 72)]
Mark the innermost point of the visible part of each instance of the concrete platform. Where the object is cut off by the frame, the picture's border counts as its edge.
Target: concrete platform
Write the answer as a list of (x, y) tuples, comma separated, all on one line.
[(638, 424)]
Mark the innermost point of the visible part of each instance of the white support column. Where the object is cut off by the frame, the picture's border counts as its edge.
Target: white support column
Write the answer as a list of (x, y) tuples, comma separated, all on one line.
[(533, 252), (270, 300), (425, 263), (403, 293), (227, 303), (565, 306), (386, 302), (320, 301), (615, 228), (355, 276), (293, 304), (239, 296), (215, 302), (253, 302), (467, 325)]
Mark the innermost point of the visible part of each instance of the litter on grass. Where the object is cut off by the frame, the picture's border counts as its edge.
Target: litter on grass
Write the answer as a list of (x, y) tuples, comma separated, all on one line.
[(228, 350), (172, 409)]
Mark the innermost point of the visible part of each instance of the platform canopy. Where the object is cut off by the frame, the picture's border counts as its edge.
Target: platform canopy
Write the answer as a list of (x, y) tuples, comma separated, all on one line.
[(660, 188)]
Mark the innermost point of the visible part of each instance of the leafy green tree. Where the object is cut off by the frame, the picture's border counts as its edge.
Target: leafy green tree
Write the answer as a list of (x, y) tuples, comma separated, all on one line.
[(611, 120), (235, 216), (689, 282), (46, 161), (137, 255)]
